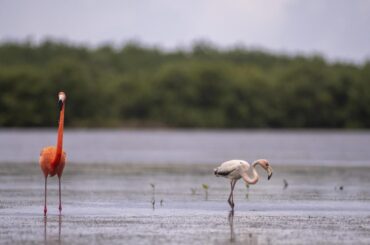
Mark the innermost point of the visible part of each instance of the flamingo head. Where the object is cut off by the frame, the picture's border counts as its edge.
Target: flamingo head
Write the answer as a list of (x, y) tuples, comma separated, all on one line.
[(61, 99), (266, 166)]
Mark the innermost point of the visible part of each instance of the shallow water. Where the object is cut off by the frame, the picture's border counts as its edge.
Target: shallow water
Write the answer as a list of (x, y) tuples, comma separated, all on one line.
[(113, 204), (292, 147)]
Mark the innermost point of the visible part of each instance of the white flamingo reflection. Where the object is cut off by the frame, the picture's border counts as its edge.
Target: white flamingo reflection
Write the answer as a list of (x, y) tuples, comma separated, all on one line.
[(248, 238), (231, 224)]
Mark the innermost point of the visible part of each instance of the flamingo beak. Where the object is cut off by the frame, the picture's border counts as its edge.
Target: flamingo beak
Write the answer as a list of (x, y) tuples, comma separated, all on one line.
[(60, 104), (269, 171), (61, 99)]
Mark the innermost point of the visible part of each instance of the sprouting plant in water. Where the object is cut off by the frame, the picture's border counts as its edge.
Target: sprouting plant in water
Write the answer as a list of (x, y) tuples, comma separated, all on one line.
[(153, 195), (153, 203), (285, 184), (153, 187), (161, 202), (193, 191), (205, 187)]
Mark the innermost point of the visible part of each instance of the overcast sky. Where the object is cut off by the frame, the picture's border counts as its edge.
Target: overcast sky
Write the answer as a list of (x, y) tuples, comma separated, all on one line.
[(338, 29)]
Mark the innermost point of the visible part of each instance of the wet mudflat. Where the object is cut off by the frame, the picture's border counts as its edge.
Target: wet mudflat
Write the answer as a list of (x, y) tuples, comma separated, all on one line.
[(166, 204)]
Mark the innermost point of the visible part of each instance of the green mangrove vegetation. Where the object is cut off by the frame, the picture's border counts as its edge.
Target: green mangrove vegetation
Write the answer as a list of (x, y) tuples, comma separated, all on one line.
[(206, 87)]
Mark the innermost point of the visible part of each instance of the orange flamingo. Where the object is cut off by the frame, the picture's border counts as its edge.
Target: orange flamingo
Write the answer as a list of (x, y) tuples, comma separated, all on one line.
[(52, 159)]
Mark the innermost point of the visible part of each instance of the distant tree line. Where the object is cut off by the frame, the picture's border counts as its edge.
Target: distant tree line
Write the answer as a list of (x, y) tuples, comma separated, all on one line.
[(138, 86)]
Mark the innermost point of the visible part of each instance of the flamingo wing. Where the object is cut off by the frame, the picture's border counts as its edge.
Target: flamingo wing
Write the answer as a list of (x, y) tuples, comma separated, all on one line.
[(226, 168)]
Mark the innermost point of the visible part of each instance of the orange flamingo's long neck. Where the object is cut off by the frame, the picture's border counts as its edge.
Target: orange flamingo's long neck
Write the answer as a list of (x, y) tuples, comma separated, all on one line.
[(58, 154)]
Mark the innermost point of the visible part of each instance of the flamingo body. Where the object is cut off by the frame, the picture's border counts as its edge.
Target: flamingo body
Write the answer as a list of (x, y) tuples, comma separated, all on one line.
[(231, 169), (47, 156)]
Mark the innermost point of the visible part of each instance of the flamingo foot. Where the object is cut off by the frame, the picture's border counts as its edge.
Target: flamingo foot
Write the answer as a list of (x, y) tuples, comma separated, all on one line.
[(45, 211)]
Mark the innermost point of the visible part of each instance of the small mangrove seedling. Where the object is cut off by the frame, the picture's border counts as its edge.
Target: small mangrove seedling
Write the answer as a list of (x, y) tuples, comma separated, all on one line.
[(153, 187), (285, 184), (153, 203), (205, 187), (193, 191), (153, 195)]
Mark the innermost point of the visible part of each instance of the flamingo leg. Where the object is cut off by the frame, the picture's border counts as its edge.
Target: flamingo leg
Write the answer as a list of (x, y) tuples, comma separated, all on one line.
[(232, 192), (60, 196), (45, 209), (231, 189), (231, 197)]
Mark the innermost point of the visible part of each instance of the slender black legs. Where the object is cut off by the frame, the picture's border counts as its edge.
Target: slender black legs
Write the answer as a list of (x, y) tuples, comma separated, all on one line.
[(45, 209), (232, 191), (231, 197)]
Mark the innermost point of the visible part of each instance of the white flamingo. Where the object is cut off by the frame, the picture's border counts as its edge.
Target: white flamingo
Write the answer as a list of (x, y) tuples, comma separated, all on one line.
[(236, 169)]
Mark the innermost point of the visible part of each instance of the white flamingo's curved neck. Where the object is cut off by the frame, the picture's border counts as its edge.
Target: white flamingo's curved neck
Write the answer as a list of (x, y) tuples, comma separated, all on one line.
[(249, 180), (254, 164)]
